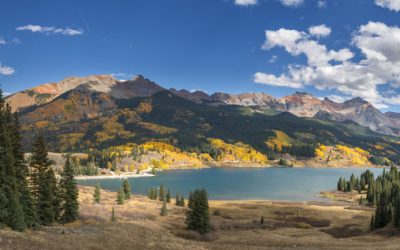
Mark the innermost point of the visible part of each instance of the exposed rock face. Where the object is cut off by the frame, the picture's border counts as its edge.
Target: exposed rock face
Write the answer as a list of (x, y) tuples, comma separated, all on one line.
[(47, 92), (245, 99), (306, 105), (137, 87), (90, 96)]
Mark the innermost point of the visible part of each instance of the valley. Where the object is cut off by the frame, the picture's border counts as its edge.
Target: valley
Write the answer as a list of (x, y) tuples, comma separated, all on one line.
[(302, 225), (136, 124)]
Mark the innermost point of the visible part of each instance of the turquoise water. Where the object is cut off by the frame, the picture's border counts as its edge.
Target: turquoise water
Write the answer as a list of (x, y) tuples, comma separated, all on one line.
[(291, 184)]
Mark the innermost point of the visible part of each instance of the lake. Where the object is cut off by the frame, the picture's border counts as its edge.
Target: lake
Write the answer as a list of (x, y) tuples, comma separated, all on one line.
[(285, 184)]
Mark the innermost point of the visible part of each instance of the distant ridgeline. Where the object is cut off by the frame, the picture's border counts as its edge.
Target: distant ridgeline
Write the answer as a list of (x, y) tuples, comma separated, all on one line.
[(108, 119)]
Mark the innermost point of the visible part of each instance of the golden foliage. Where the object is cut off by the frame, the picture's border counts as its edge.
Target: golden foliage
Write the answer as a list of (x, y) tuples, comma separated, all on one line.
[(159, 129), (280, 140), (111, 129), (237, 152), (144, 107)]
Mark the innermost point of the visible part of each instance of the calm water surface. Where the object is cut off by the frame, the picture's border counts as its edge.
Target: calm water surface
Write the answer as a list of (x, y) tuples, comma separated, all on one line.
[(292, 184)]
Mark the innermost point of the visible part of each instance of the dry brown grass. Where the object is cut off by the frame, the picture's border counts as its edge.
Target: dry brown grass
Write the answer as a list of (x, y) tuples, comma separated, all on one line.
[(235, 226)]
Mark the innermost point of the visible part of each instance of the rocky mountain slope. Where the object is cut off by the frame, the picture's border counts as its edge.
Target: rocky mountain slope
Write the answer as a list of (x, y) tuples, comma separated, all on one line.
[(300, 103), (101, 112)]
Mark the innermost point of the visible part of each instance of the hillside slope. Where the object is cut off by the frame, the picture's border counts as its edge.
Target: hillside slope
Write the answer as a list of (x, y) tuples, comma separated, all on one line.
[(85, 118)]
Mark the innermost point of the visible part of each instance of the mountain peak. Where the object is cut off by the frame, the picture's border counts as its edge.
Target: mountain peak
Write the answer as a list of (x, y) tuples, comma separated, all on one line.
[(138, 78), (356, 101), (300, 93)]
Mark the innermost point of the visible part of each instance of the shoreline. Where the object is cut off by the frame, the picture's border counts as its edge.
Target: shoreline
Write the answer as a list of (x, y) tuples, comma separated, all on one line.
[(226, 165), (99, 177)]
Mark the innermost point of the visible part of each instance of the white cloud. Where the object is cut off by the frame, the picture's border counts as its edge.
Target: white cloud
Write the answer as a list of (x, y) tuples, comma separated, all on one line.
[(13, 41), (50, 30), (280, 81), (6, 94), (6, 70), (245, 2), (322, 4), (337, 98), (292, 3), (390, 4), (332, 69), (319, 31), (273, 59)]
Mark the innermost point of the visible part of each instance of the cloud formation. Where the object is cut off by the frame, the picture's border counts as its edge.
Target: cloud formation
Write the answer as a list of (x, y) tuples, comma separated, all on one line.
[(50, 30), (322, 4), (337, 69), (292, 3), (390, 4), (320, 31), (245, 2), (6, 70)]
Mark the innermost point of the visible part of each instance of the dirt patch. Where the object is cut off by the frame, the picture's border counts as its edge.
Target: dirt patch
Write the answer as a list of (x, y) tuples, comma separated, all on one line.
[(348, 230)]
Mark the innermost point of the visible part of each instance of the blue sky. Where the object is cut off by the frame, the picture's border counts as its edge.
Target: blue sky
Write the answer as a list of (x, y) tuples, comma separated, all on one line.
[(231, 46)]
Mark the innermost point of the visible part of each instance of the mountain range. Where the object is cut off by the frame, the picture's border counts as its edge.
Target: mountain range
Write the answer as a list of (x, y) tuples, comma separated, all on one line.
[(98, 112), (300, 103)]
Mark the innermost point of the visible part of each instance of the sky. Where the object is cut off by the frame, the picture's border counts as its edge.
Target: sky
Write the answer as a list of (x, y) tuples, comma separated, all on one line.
[(336, 48)]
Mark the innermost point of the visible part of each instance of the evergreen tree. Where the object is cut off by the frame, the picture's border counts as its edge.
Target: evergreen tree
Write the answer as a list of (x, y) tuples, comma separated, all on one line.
[(22, 173), (177, 199), (190, 200), (127, 189), (339, 184), (372, 223), (164, 210), (168, 197), (113, 216), (11, 213), (55, 193), (121, 196), (154, 193), (43, 183), (97, 193), (197, 217), (161, 193), (69, 194), (396, 208), (182, 201)]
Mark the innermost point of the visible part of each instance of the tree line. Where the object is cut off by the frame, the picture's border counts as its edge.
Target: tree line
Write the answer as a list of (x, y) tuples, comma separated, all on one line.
[(30, 194), (382, 192)]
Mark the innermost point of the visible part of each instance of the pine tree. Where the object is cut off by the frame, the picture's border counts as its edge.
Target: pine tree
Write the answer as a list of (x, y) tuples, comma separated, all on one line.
[(55, 193), (197, 217), (127, 189), (97, 193), (22, 173), (121, 196), (3, 166), (372, 223), (164, 210), (168, 197), (396, 210), (69, 194), (11, 208), (154, 193), (113, 216), (190, 200), (177, 198), (339, 184), (182, 201), (43, 183), (161, 193)]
